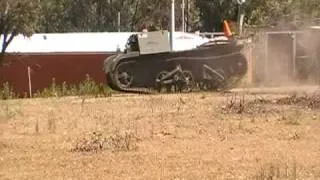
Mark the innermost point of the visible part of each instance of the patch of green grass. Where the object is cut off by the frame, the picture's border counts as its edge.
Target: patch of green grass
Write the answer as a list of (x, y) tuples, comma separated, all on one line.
[(87, 87), (9, 110), (6, 92)]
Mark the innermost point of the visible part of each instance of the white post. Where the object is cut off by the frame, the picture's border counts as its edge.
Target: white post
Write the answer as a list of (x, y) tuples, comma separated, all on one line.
[(172, 29), (240, 16), (294, 54), (241, 22), (188, 16), (119, 21), (266, 60), (183, 17), (29, 78)]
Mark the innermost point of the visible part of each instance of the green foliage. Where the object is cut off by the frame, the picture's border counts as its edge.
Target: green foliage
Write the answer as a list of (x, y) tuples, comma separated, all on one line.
[(53, 16), (100, 15), (6, 92), (26, 16), (17, 17), (274, 13), (46, 16), (88, 87), (213, 12)]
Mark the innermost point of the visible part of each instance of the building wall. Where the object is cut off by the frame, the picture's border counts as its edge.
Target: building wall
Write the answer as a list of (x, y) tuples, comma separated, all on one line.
[(71, 68)]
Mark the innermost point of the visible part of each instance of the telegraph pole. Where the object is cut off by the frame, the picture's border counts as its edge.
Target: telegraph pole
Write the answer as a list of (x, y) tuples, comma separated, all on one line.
[(183, 17), (188, 16), (240, 15), (172, 27), (119, 21)]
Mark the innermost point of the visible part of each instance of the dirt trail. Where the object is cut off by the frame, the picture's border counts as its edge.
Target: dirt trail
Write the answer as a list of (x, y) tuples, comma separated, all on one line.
[(278, 90)]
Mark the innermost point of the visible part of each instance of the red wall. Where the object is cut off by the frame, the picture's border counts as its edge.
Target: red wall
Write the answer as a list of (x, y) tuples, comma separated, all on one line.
[(71, 68)]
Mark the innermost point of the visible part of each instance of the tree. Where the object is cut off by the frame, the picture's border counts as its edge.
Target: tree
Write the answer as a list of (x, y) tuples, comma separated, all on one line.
[(101, 15), (213, 12), (267, 13), (54, 16), (16, 17)]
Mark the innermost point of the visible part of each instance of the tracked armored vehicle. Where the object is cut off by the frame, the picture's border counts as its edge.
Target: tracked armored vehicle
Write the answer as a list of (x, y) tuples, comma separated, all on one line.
[(149, 64)]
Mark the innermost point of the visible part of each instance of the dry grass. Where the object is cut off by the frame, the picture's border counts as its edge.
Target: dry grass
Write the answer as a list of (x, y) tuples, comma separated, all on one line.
[(186, 136), (97, 141), (277, 171)]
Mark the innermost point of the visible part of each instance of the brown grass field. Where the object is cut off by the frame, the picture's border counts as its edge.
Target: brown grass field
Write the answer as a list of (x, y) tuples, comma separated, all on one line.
[(173, 136)]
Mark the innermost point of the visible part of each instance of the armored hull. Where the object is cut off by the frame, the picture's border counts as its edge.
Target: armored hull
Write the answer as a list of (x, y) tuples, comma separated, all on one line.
[(207, 67)]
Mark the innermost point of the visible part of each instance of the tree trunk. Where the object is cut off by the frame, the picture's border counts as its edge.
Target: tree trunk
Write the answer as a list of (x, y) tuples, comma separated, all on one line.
[(5, 44), (1, 59)]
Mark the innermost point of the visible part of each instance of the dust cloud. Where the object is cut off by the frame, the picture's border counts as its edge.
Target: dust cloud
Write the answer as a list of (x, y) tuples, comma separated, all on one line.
[(288, 57)]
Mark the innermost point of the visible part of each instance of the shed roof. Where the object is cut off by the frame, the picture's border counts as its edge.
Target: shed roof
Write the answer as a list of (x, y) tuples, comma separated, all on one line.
[(104, 42)]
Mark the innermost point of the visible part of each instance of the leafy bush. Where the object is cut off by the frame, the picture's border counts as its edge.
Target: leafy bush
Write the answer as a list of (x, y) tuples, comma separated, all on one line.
[(87, 87), (6, 92)]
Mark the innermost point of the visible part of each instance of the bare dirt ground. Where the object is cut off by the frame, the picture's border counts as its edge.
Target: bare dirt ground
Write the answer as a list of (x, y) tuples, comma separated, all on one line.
[(174, 136)]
